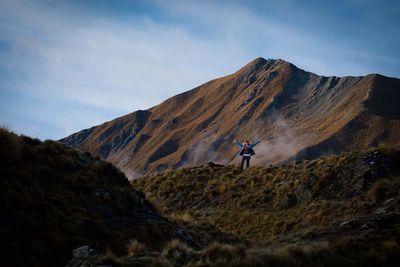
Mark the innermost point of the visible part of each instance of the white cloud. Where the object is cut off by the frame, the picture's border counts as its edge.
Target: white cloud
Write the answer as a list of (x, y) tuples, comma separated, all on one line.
[(105, 63), (313, 37)]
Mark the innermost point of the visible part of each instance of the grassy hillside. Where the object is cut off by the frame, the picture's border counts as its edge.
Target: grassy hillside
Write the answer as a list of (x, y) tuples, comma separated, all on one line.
[(55, 198), (343, 209), (335, 211)]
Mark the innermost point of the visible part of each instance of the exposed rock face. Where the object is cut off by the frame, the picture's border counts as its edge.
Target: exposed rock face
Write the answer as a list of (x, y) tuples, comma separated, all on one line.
[(296, 114)]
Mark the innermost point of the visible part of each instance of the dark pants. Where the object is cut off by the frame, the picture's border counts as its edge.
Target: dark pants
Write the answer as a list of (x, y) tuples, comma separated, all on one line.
[(247, 159)]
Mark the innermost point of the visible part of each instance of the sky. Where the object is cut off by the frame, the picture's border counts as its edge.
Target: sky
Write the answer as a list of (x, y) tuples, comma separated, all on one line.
[(69, 65)]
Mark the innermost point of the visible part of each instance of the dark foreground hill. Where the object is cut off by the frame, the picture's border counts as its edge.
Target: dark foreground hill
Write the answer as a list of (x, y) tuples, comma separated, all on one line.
[(294, 112), (55, 198), (333, 211)]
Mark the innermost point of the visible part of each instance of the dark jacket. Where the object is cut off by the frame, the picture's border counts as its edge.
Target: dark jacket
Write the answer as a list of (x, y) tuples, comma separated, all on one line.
[(247, 151)]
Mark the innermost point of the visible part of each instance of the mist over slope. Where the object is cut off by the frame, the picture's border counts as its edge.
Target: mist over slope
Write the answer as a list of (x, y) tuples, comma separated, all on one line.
[(296, 114)]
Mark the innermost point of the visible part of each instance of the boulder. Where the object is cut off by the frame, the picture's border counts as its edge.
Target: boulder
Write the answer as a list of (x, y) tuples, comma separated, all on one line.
[(82, 257)]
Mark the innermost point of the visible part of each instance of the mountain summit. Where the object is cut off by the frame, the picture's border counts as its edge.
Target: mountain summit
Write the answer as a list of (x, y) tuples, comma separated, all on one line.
[(296, 114)]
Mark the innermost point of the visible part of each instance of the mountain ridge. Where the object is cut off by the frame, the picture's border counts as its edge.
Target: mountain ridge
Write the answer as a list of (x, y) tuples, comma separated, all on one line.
[(268, 99)]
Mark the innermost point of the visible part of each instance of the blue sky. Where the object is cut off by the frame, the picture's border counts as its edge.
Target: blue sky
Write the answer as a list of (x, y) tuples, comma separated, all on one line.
[(69, 65)]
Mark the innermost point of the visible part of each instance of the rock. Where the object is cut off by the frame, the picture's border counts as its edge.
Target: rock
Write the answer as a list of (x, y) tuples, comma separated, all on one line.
[(344, 224), (82, 257), (389, 201), (84, 252), (352, 224), (381, 211), (212, 164)]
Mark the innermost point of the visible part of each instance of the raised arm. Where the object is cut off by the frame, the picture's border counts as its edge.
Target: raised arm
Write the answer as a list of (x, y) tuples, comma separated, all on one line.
[(238, 143), (255, 143)]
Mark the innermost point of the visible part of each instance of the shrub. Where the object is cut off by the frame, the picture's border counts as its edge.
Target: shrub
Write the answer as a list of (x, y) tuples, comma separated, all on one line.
[(107, 258), (10, 145), (223, 252), (136, 248), (178, 253)]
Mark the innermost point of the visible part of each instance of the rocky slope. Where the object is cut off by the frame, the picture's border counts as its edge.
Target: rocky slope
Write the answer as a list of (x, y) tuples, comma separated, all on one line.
[(296, 114)]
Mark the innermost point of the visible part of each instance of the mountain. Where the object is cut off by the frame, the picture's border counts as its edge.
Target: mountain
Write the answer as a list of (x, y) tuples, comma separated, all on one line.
[(296, 115)]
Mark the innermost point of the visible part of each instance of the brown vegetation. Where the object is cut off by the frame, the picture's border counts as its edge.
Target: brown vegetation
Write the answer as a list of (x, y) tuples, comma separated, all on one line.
[(348, 201), (319, 254), (178, 254), (55, 198), (333, 211)]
